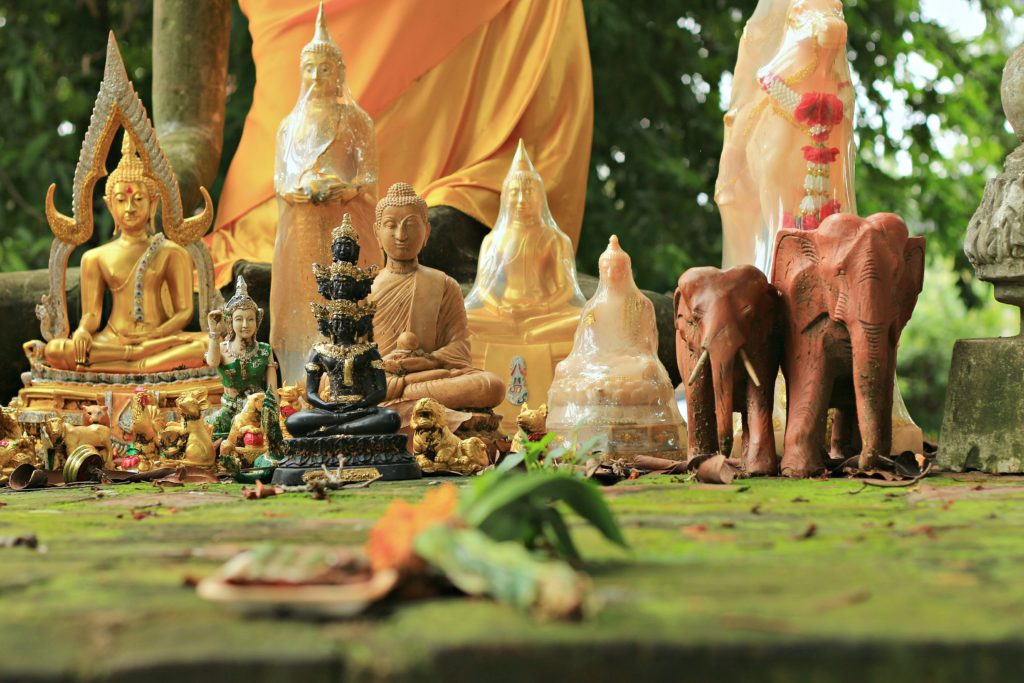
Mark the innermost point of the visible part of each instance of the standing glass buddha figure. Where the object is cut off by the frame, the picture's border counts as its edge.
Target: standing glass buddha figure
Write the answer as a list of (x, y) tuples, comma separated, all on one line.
[(245, 366), (326, 166), (525, 303)]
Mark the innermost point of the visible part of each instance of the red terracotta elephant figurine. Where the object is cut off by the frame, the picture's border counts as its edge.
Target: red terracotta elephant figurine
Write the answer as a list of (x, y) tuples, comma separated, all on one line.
[(727, 348), (848, 289)]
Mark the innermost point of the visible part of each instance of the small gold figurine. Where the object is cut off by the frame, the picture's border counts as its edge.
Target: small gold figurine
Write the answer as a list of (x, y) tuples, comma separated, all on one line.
[(16, 448), (66, 438), (531, 426), (435, 446), (525, 303), (198, 450)]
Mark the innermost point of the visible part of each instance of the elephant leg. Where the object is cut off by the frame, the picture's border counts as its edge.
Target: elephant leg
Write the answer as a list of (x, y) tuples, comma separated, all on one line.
[(843, 420), (760, 457), (808, 389), (875, 412)]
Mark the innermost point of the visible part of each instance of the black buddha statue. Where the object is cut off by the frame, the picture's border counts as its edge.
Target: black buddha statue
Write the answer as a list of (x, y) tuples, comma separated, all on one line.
[(344, 420)]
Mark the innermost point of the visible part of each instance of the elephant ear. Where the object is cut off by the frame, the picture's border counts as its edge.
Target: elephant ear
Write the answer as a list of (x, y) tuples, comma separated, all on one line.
[(912, 281), (795, 268)]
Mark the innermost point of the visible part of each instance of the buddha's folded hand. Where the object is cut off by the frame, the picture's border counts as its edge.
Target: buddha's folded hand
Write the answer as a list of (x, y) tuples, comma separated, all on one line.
[(82, 340)]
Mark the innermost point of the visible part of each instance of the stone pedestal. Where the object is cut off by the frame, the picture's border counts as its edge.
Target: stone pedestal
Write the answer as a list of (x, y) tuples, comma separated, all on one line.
[(364, 456), (983, 425)]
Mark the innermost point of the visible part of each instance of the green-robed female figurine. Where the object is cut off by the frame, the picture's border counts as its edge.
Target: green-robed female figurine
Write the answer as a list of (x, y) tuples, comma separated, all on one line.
[(245, 366)]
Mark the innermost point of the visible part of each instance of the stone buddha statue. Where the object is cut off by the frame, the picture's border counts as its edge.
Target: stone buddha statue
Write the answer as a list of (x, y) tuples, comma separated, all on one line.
[(149, 280), (525, 304), (612, 387), (420, 320)]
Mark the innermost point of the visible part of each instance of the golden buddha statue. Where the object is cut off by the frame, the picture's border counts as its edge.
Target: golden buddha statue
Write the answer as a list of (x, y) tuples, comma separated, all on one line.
[(142, 272), (147, 275), (420, 320), (525, 304), (326, 166)]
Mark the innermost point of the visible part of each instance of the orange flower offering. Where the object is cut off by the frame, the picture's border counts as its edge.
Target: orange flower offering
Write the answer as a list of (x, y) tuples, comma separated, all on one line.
[(391, 538)]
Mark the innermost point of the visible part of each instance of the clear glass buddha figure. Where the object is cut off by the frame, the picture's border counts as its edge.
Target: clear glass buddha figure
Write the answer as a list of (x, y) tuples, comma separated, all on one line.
[(149, 281), (326, 166), (525, 304), (612, 390)]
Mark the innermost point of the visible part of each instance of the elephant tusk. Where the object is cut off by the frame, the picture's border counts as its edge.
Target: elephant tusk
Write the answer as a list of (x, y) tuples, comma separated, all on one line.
[(698, 367), (750, 368)]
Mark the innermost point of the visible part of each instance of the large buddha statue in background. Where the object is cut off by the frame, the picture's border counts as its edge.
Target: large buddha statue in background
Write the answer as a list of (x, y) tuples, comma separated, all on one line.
[(525, 304), (149, 280)]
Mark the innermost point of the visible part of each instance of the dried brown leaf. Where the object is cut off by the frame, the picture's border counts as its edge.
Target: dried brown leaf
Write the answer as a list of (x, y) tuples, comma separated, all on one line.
[(716, 470)]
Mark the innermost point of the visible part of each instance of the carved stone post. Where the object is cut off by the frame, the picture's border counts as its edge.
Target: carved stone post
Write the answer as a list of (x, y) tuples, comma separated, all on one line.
[(982, 428)]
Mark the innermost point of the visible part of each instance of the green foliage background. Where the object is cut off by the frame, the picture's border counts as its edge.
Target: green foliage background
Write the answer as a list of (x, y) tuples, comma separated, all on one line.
[(657, 138)]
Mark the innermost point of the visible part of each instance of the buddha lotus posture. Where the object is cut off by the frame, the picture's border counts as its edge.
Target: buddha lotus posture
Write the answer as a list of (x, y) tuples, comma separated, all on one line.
[(423, 308), (525, 304), (149, 279), (612, 386), (245, 366), (352, 364)]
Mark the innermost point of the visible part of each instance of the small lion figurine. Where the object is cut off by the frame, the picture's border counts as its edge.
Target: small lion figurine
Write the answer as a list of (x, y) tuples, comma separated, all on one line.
[(532, 426), (435, 446), (248, 421)]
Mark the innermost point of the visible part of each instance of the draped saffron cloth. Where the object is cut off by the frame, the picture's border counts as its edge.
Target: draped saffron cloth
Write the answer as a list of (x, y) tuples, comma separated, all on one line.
[(451, 87)]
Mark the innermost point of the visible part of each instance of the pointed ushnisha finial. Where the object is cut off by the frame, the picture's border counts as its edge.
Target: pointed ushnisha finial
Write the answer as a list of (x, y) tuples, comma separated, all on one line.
[(322, 40), (614, 252), (521, 161)]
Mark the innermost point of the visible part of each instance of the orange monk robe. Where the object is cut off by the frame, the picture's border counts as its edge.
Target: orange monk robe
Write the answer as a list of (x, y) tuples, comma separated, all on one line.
[(429, 304), (451, 86)]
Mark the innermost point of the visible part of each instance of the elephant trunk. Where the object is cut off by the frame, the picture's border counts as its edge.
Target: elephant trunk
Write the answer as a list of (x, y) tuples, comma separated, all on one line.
[(874, 367), (723, 347)]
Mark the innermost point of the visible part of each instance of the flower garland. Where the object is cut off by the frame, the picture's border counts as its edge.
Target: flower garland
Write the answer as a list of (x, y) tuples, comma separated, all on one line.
[(818, 113)]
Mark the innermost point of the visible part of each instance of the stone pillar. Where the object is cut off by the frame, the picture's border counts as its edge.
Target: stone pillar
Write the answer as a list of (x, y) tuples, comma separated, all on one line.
[(983, 426)]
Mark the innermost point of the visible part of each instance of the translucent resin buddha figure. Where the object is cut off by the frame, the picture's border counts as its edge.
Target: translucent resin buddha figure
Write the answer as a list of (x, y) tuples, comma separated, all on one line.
[(420, 320), (525, 303), (326, 166), (612, 388), (788, 155), (149, 281)]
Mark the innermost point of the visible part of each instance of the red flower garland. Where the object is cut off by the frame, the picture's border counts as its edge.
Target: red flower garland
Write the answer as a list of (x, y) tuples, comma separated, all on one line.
[(819, 109), (820, 155)]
